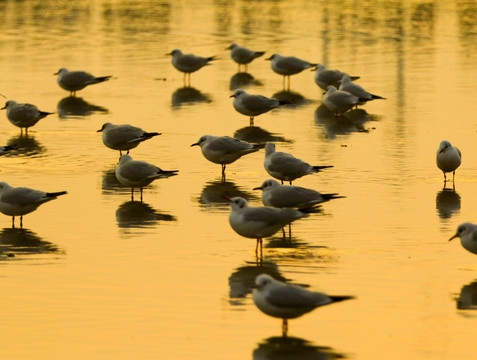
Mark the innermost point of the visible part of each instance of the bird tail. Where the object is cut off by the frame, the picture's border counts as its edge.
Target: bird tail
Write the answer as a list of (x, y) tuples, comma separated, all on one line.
[(258, 146), (259, 53), (338, 298), (331, 196), (353, 78), (102, 78), (375, 97), (45, 113), (55, 194), (212, 58), (318, 168), (168, 173), (145, 136)]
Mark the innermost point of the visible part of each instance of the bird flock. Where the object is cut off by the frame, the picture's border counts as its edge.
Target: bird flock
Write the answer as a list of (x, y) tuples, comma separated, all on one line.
[(282, 203)]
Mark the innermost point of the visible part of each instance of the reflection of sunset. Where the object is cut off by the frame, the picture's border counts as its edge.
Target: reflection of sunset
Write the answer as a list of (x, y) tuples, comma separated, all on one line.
[(98, 276)]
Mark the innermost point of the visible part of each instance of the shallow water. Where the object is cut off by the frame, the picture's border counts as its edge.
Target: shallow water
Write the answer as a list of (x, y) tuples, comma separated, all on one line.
[(97, 276)]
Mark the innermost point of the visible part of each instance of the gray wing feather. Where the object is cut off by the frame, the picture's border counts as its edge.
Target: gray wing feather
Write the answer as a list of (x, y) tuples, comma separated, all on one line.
[(295, 297)]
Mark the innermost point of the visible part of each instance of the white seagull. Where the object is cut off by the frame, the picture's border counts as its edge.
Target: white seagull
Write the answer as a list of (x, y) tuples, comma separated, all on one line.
[(325, 77), (448, 158), (288, 65), (467, 232), (287, 301), (188, 63), (253, 105), (338, 101), (357, 90), (73, 81), (224, 150), (23, 115), (124, 137), (138, 173), (288, 196), (259, 222), (286, 167), (22, 200), (243, 56)]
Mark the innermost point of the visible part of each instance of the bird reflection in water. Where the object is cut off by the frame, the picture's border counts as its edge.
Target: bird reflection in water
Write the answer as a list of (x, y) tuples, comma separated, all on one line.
[(187, 96), (257, 135), (212, 195), (242, 79), (24, 242), (25, 145), (349, 122), (110, 183), (292, 348), (71, 107), (447, 203), (291, 98), (242, 280), (137, 214), (467, 299)]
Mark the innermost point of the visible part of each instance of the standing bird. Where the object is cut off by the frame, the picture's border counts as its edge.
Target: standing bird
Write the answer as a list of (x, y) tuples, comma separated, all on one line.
[(286, 167), (287, 301), (188, 63), (325, 77), (73, 81), (339, 101), (224, 150), (253, 105), (23, 115), (288, 196), (288, 65), (448, 158), (124, 137), (138, 173), (357, 90), (242, 55), (259, 222), (22, 200)]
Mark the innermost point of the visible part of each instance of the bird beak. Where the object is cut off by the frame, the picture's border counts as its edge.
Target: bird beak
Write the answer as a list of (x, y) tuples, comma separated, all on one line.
[(257, 188), (270, 58), (452, 238), (227, 198), (169, 53), (194, 144), (314, 69), (3, 108), (100, 130), (233, 95)]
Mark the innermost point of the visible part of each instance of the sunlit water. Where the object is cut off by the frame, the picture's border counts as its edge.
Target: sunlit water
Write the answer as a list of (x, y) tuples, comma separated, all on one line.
[(96, 276)]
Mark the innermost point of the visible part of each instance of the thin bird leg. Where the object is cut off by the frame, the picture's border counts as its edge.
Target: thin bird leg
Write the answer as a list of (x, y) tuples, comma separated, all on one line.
[(21, 221), (285, 327), (289, 230), (13, 222), (238, 68), (290, 182), (256, 247), (281, 181), (132, 194), (284, 233), (453, 176), (141, 194), (251, 120), (245, 67)]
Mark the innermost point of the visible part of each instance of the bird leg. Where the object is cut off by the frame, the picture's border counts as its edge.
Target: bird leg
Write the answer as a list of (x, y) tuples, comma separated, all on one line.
[(141, 194), (132, 194), (285, 327), (251, 120), (13, 222), (453, 176), (21, 221)]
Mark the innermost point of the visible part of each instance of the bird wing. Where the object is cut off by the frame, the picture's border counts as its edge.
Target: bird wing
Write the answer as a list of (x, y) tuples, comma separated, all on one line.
[(226, 144), (271, 216), (23, 196), (296, 297), (78, 77), (259, 102), (295, 196), (137, 170), (287, 163), (191, 60)]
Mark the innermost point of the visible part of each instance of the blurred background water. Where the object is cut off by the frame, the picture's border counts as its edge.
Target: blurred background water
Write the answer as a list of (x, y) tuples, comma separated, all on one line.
[(97, 276)]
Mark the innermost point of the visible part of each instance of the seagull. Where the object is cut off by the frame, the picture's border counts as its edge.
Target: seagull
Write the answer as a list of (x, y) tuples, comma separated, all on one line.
[(339, 101), (287, 301), (259, 222), (325, 77), (357, 90), (253, 105), (288, 196), (124, 137), (224, 150), (23, 115), (138, 173), (448, 158), (243, 56), (188, 63), (73, 81), (286, 167), (288, 65), (22, 200), (467, 232)]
